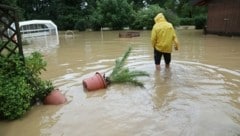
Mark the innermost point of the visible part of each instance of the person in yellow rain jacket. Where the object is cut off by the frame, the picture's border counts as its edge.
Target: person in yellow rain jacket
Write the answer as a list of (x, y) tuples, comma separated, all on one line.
[(163, 38)]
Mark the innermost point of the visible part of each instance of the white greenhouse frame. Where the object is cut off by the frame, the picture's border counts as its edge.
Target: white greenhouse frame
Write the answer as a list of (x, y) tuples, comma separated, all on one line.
[(33, 28)]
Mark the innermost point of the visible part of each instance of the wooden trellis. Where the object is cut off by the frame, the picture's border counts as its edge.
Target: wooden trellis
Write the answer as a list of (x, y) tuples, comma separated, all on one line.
[(10, 37)]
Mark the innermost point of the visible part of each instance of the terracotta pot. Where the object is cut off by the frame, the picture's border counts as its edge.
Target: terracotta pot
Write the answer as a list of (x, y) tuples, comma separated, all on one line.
[(54, 98), (94, 83)]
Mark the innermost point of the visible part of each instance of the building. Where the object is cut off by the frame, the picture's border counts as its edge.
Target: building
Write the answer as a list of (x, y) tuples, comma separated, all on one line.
[(223, 16)]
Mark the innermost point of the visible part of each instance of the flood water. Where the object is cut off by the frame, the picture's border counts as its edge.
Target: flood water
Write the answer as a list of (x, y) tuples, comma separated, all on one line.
[(198, 96)]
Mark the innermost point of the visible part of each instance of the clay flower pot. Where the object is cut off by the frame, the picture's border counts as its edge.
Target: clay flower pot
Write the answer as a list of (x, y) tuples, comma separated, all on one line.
[(95, 82), (54, 98)]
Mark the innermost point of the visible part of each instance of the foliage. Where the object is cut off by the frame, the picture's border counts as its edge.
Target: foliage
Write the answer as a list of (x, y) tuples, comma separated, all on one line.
[(82, 14), (116, 13), (187, 21), (80, 25), (119, 63), (200, 22), (137, 4), (121, 74), (170, 5), (66, 22), (13, 3), (34, 65), (20, 84), (15, 93), (9, 45), (171, 17), (96, 20), (145, 17), (185, 9), (15, 99)]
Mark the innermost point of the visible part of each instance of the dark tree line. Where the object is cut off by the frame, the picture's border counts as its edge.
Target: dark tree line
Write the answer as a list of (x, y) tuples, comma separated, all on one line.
[(94, 14)]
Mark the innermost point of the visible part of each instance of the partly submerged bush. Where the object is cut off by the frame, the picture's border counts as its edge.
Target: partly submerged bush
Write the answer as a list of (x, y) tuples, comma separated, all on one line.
[(15, 92), (35, 64), (20, 84)]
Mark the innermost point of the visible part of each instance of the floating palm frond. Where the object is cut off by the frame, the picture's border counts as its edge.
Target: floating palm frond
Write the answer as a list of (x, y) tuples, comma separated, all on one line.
[(120, 74), (120, 63)]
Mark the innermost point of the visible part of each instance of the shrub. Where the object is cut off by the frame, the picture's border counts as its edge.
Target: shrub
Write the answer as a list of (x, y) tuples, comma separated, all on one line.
[(171, 17), (20, 84), (15, 93), (145, 17), (200, 21), (15, 99), (115, 14), (66, 22), (34, 65), (187, 21), (80, 25), (95, 20)]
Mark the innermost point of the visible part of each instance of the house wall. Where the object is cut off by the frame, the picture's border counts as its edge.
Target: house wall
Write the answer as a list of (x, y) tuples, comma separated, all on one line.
[(224, 17)]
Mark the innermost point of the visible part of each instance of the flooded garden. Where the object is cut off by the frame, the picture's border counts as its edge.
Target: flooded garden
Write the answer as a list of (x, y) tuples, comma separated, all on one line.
[(198, 95)]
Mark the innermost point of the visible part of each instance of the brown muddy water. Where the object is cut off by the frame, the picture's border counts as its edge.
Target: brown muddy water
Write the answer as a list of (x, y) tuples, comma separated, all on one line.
[(198, 96)]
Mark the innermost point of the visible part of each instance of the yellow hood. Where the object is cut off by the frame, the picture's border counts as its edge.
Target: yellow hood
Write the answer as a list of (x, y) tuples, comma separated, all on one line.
[(159, 18)]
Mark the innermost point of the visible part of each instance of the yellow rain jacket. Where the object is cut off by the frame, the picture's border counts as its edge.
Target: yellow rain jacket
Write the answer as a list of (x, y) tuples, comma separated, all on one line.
[(163, 35)]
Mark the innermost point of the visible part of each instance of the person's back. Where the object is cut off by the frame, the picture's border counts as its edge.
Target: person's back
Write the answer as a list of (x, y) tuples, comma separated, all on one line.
[(163, 34), (163, 37)]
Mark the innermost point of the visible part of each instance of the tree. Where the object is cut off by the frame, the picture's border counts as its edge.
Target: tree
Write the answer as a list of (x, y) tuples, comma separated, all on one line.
[(38, 9), (116, 13), (185, 9), (137, 4), (13, 3), (145, 17), (82, 14), (153, 2), (170, 5), (96, 20)]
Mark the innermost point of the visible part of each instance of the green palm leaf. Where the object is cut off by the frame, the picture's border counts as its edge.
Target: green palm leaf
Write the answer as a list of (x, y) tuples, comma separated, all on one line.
[(121, 75)]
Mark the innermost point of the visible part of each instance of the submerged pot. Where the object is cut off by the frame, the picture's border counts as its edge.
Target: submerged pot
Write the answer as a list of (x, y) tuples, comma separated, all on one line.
[(95, 82), (54, 98)]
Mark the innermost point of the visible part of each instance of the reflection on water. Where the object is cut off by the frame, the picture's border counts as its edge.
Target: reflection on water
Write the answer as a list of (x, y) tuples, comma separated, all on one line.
[(43, 44), (199, 94)]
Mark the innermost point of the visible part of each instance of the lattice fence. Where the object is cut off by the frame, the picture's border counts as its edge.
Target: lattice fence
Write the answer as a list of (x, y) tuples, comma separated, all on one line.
[(10, 37)]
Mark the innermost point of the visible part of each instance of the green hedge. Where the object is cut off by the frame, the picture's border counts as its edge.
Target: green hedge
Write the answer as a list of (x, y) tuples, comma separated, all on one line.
[(187, 21), (21, 85), (200, 22)]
